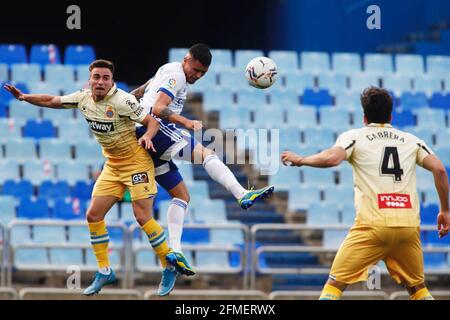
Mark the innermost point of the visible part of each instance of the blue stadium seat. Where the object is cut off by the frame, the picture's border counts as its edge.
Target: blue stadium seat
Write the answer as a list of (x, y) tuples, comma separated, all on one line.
[(337, 195), (334, 82), (431, 118), (314, 62), (317, 98), (409, 64), (286, 61), (409, 100), (33, 258), (10, 170), (199, 188), (428, 214), (33, 209), (442, 137), (284, 98), (208, 82), (13, 53), (290, 137), (64, 209), (39, 129), (64, 257), (74, 131), (4, 72), (318, 137), (222, 59), (443, 152), (44, 54), (348, 100), (146, 259), (123, 86), (319, 213), (89, 152), (251, 98), (345, 175), (21, 234), (38, 171), (427, 84), (440, 100), (217, 99), (212, 211), (286, 178), (82, 190), (361, 81), (243, 57), (403, 118), (20, 110), (268, 117), (82, 72), (7, 209), (4, 109), (177, 54), (217, 260), (18, 189), (438, 65), (435, 260), (397, 83), (44, 88), (54, 190), (338, 120), (58, 116), (378, 63), (302, 117), (79, 235), (26, 73), (6, 97), (54, 149), (49, 234), (348, 213), (321, 178), (423, 133), (346, 63), (71, 87), (299, 81), (302, 197), (333, 238), (232, 79), (72, 171), (23, 149), (59, 74), (79, 54)]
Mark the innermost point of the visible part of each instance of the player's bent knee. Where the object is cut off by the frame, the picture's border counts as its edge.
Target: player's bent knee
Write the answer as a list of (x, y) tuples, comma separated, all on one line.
[(142, 211)]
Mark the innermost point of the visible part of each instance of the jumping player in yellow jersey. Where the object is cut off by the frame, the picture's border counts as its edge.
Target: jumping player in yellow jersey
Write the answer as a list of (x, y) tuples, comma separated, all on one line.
[(387, 206), (112, 114)]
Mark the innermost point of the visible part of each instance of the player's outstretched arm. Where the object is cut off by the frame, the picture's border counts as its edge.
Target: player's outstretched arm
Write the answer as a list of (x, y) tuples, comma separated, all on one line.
[(41, 100), (139, 91), (161, 110), (328, 158), (152, 128), (433, 164)]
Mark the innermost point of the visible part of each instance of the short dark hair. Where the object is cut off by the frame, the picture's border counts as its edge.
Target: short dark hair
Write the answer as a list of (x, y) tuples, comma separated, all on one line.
[(201, 52), (377, 105), (100, 63)]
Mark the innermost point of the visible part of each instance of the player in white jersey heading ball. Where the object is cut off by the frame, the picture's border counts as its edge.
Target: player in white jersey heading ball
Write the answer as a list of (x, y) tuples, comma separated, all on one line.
[(387, 205), (164, 96)]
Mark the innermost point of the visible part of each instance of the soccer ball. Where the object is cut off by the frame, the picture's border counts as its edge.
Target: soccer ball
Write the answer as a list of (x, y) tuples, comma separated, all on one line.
[(261, 72)]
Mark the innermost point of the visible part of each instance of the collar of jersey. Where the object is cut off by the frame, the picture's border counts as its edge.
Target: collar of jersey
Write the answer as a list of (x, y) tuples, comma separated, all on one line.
[(110, 92), (382, 125)]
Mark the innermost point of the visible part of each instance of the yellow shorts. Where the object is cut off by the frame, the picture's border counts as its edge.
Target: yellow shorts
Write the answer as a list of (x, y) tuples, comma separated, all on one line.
[(137, 173), (365, 246)]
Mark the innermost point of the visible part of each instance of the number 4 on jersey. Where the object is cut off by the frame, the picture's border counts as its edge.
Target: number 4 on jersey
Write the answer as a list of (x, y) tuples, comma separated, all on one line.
[(396, 170)]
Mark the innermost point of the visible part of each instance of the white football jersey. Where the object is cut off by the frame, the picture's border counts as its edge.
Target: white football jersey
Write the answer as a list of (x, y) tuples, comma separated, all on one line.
[(171, 80), (384, 174)]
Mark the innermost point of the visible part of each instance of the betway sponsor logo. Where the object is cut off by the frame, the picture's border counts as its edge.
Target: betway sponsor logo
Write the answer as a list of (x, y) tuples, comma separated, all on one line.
[(100, 126), (394, 201)]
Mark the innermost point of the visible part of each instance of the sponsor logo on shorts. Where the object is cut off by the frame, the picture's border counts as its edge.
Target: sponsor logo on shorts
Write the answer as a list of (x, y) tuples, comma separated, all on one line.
[(138, 178), (100, 126), (394, 201)]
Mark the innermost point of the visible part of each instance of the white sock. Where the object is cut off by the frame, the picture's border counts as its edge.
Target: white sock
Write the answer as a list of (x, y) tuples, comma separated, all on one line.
[(105, 270), (220, 173), (175, 221)]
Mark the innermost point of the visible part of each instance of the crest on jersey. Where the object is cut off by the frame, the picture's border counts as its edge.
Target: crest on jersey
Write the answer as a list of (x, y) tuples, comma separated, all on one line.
[(172, 83), (109, 112)]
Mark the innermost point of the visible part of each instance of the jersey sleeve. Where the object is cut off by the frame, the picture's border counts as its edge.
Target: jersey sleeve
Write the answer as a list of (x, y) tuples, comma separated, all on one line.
[(346, 141), (131, 109), (172, 83), (422, 152), (71, 100)]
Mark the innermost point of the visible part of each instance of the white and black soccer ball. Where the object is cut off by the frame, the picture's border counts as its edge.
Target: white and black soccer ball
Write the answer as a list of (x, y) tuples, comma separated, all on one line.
[(261, 72)]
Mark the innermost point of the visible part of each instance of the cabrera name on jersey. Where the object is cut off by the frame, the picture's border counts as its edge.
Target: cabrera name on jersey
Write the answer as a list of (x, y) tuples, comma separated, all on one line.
[(171, 80)]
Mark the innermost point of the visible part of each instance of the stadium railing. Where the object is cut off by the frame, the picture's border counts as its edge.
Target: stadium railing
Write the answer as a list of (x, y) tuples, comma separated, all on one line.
[(243, 251), (77, 294), (8, 294), (12, 247), (314, 295), (209, 295), (4, 247), (256, 252)]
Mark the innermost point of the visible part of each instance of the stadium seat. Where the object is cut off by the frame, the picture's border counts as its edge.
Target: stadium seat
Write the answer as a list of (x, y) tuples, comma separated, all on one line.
[(318, 137), (302, 117), (215, 260), (423, 133), (409, 64), (438, 65), (285, 179), (177, 54), (59, 74), (13, 53), (18, 189), (284, 98), (222, 59), (64, 209), (243, 57), (319, 213), (334, 82), (21, 234), (49, 234), (33, 209), (71, 87), (287, 61), (299, 81), (428, 214), (65, 257), (208, 82), (345, 175), (302, 197), (333, 238), (320, 178), (20, 149), (26, 73), (318, 98), (336, 195), (31, 258), (38, 171), (440, 100), (338, 120), (54, 190), (82, 190), (427, 84), (348, 100), (348, 213), (82, 72), (79, 54), (430, 118), (79, 235), (232, 79), (20, 110), (215, 100), (443, 152), (346, 63), (146, 259), (41, 87), (39, 129), (89, 152), (409, 100), (10, 170), (7, 209), (435, 260), (212, 211), (403, 118), (44, 54), (442, 137), (251, 98), (54, 149), (397, 83), (4, 109), (4, 72), (268, 117), (361, 81), (113, 214), (59, 117), (378, 63), (72, 171), (314, 62), (74, 130)]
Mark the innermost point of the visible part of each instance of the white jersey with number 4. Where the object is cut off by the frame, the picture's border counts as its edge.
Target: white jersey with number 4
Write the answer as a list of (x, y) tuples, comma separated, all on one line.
[(171, 80), (384, 174)]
